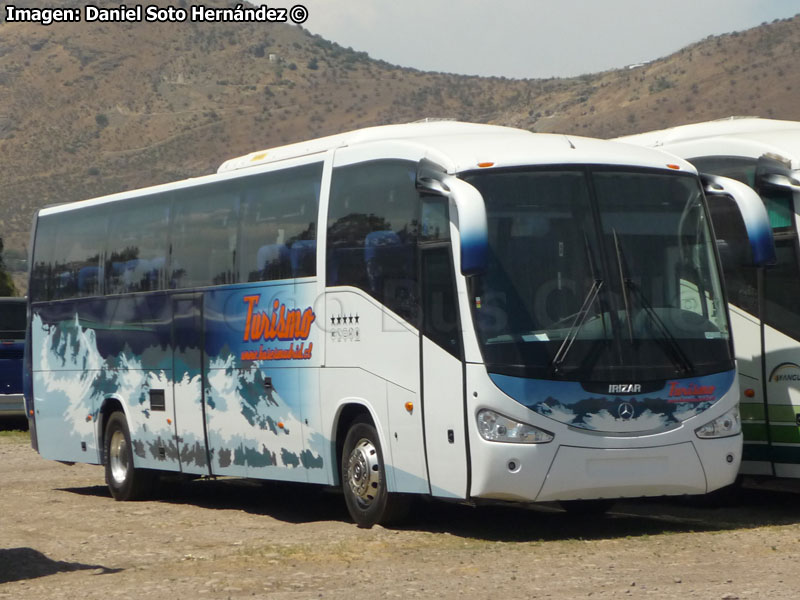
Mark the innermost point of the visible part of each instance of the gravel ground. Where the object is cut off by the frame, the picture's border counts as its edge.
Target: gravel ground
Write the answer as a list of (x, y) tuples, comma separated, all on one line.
[(62, 536)]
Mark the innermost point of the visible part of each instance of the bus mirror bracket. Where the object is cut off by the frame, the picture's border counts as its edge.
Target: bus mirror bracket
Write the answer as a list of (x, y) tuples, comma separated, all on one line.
[(469, 208), (780, 180), (753, 212)]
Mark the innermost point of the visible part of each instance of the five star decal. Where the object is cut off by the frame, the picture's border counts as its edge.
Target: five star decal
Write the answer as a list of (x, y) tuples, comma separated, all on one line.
[(345, 328), (344, 320)]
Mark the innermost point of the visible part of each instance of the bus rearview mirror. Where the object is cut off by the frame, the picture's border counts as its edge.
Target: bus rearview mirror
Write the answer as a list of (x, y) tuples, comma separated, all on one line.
[(752, 211), (467, 210)]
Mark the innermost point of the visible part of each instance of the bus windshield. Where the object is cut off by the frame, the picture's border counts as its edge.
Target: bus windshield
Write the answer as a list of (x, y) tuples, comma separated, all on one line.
[(598, 275)]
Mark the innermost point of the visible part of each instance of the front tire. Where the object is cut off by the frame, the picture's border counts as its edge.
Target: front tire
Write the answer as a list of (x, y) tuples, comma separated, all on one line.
[(364, 479), (124, 481)]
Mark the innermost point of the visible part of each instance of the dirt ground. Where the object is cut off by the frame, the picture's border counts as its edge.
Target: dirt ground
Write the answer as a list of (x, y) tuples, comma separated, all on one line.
[(62, 536)]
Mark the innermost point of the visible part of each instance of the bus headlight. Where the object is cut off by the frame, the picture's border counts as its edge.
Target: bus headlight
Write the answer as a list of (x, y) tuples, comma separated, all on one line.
[(725, 426), (495, 427)]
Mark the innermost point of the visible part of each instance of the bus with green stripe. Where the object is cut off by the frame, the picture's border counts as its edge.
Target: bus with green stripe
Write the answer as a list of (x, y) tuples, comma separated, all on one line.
[(764, 302)]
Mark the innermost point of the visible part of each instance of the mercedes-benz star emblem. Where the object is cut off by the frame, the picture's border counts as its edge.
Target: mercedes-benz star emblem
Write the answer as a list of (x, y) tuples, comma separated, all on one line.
[(625, 411)]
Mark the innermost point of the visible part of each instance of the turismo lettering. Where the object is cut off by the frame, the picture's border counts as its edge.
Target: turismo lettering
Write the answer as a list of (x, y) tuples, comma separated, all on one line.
[(281, 324), (691, 392)]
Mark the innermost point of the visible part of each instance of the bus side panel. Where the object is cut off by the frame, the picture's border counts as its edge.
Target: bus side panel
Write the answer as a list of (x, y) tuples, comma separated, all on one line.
[(261, 364), (747, 341), (66, 368), (379, 357), (783, 406), (87, 352)]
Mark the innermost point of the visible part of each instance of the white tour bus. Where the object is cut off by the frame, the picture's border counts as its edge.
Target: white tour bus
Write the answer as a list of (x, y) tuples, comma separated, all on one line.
[(765, 302), (462, 311)]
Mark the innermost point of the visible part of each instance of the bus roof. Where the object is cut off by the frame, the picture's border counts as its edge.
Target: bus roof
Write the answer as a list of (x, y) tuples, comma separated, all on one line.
[(456, 146), (460, 146), (750, 137)]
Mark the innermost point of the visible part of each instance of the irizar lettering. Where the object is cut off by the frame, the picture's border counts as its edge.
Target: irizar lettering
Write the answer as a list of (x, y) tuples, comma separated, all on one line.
[(624, 388)]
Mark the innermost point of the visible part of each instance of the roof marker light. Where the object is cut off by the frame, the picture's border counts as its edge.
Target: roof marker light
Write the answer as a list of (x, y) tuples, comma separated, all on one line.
[(676, 167), (484, 165)]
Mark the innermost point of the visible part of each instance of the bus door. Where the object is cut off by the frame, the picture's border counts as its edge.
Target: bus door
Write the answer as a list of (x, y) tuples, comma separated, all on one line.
[(189, 383), (442, 365), (781, 332)]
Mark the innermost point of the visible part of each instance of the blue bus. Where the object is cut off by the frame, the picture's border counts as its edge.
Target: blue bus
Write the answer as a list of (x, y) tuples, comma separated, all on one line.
[(12, 343)]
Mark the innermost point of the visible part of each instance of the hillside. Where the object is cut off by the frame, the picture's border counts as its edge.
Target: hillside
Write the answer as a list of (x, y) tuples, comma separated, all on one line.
[(93, 108)]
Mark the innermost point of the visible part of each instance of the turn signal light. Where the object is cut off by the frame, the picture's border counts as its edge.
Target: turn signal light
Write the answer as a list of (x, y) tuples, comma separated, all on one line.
[(750, 393), (410, 407)]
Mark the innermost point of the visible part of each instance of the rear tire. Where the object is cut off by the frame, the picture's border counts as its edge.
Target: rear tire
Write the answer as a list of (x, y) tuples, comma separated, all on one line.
[(364, 479), (124, 481)]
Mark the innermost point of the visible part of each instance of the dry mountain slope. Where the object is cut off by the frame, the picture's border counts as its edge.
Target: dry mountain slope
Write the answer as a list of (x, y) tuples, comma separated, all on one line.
[(88, 109)]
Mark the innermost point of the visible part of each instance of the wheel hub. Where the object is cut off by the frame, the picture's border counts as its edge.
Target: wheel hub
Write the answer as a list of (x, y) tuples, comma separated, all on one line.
[(363, 472), (118, 457)]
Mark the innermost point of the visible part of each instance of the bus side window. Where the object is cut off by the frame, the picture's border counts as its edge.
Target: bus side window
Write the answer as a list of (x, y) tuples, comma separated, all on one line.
[(734, 253), (279, 224), (75, 262), (42, 286), (204, 236), (781, 283), (137, 246), (372, 232)]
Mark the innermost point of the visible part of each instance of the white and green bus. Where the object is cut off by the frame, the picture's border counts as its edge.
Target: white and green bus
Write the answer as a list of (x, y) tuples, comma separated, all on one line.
[(765, 303), (459, 311)]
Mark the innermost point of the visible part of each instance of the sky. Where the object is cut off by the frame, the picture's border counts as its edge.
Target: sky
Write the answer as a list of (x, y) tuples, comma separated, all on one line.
[(530, 38)]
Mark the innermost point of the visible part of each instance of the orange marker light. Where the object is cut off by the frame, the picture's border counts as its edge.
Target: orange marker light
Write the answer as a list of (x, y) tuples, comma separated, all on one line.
[(410, 406), (280, 424), (30, 412), (169, 421), (88, 418), (676, 167), (750, 393), (484, 165)]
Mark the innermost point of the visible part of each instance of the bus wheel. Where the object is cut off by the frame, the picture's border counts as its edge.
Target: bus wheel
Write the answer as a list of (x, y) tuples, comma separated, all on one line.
[(364, 479), (124, 481)]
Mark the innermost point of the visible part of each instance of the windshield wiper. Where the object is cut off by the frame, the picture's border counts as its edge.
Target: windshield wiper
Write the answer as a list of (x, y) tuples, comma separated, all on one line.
[(580, 319), (668, 342), (580, 316), (623, 283)]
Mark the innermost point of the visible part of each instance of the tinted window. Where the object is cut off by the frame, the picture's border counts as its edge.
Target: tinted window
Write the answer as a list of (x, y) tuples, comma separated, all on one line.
[(12, 319), (782, 288), (279, 224), (67, 256), (372, 232), (42, 275), (736, 167), (136, 253), (734, 252), (440, 307), (204, 236)]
